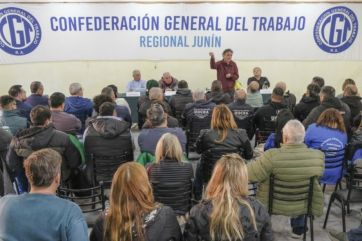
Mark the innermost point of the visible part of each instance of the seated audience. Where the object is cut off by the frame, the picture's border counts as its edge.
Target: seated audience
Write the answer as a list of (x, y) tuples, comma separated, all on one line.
[(318, 81), (148, 138), (19, 94), (77, 105), (353, 100), (223, 137), (61, 120), (133, 213), (11, 116), (119, 101), (328, 134), (265, 116), (288, 98), (328, 100), (254, 98), (309, 101), (217, 95), (242, 112), (170, 169), (137, 84), (122, 111), (345, 83), (168, 82), (276, 139), (41, 135), (155, 97), (108, 135), (182, 97), (302, 162), (262, 81), (40, 214), (149, 85), (227, 212), (37, 97)]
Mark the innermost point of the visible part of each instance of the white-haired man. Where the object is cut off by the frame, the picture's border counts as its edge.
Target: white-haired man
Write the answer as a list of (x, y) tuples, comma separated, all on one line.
[(137, 84), (293, 162)]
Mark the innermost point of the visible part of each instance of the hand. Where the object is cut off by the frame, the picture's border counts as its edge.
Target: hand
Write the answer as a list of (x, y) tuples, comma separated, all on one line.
[(211, 54), (228, 75)]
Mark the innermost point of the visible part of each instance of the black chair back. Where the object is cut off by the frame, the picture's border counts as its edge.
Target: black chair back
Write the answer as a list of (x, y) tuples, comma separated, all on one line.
[(90, 200), (193, 131), (281, 190), (105, 166), (176, 195), (333, 160)]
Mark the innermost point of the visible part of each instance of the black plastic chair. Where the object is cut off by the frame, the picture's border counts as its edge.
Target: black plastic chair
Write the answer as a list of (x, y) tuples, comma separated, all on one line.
[(261, 136), (104, 167), (177, 195), (90, 200), (352, 194), (333, 159), (193, 132), (279, 190)]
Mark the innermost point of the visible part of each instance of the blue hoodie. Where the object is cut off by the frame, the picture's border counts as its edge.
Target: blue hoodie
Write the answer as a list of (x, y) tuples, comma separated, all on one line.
[(324, 138), (81, 107)]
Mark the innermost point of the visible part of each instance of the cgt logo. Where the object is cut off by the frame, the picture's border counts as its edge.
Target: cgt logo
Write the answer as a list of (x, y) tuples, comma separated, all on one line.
[(336, 29), (20, 32)]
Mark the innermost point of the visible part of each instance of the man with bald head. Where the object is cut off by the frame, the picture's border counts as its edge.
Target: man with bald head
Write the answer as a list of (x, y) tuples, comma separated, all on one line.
[(288, 98), (262, 81), (243, 113), (167, 82), (137, 84)]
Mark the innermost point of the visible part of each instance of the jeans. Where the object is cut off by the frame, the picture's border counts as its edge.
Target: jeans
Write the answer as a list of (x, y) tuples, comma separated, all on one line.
[(355, 234), (298, 224)]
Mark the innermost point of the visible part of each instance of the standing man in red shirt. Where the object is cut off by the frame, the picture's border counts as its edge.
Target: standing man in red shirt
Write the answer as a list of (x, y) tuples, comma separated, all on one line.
[(227, 71)]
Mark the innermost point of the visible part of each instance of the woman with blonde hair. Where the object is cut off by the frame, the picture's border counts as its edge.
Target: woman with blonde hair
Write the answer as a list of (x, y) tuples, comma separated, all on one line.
[(133, 215), (227, 212), (171, 178), (224, 137)]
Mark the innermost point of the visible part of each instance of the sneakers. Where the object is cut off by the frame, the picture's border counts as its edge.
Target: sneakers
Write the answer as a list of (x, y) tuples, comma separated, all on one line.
[(337, 236), (296, 236)]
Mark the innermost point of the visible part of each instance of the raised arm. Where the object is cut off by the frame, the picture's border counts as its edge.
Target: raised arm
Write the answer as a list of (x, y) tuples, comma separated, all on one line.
[(212, 61)]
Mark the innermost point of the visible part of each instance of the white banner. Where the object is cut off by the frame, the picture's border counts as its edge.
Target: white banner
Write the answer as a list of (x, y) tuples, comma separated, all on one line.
[(276, 31)]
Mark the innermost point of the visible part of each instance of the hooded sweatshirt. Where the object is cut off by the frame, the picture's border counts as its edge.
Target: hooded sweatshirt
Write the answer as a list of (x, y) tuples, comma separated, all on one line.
[(305, 106), (80, 107), (354, 103)]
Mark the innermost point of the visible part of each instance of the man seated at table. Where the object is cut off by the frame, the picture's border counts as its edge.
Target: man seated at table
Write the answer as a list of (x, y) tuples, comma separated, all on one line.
[(137, 84), (167, 82), (262, 81)]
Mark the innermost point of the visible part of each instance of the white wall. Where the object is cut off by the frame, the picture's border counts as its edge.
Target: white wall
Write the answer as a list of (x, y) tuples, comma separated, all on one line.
[(94, 75)]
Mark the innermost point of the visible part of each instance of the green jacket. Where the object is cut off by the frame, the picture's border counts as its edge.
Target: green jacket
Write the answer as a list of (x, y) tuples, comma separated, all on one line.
[(291, 162)]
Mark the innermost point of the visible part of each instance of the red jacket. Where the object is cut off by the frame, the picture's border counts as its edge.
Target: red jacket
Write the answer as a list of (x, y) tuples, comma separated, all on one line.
[(222, 69)]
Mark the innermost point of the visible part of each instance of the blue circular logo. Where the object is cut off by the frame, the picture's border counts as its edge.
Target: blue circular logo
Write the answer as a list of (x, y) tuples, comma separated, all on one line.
[(20, 32), (336, 29)]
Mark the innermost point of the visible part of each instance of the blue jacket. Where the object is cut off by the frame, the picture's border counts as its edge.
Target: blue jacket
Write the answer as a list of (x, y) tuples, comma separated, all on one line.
[(13, 120), (270, 142), (324, 138), (35, 99), (81, 107), (24, 109)]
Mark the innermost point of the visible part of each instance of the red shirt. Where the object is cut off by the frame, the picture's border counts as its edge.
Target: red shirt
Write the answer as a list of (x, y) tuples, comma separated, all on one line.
[(222, 69)]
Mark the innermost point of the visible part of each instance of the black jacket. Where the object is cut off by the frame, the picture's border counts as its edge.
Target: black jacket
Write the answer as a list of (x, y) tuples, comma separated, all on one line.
[(355, 105), (326, 104), (199, 110), (108, 136), (265, 117), (197, 227), (243, 114), (35, 138), (179, 101), (160, 225), (218, 97), (5, 138), (305, 106), (236, 141), (289, 100)]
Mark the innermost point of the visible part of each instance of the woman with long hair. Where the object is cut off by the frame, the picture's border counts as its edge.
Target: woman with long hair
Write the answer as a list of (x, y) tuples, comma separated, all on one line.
[(133, 215), (328, 134), (224, 137), (227, 212), (171, 178)]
